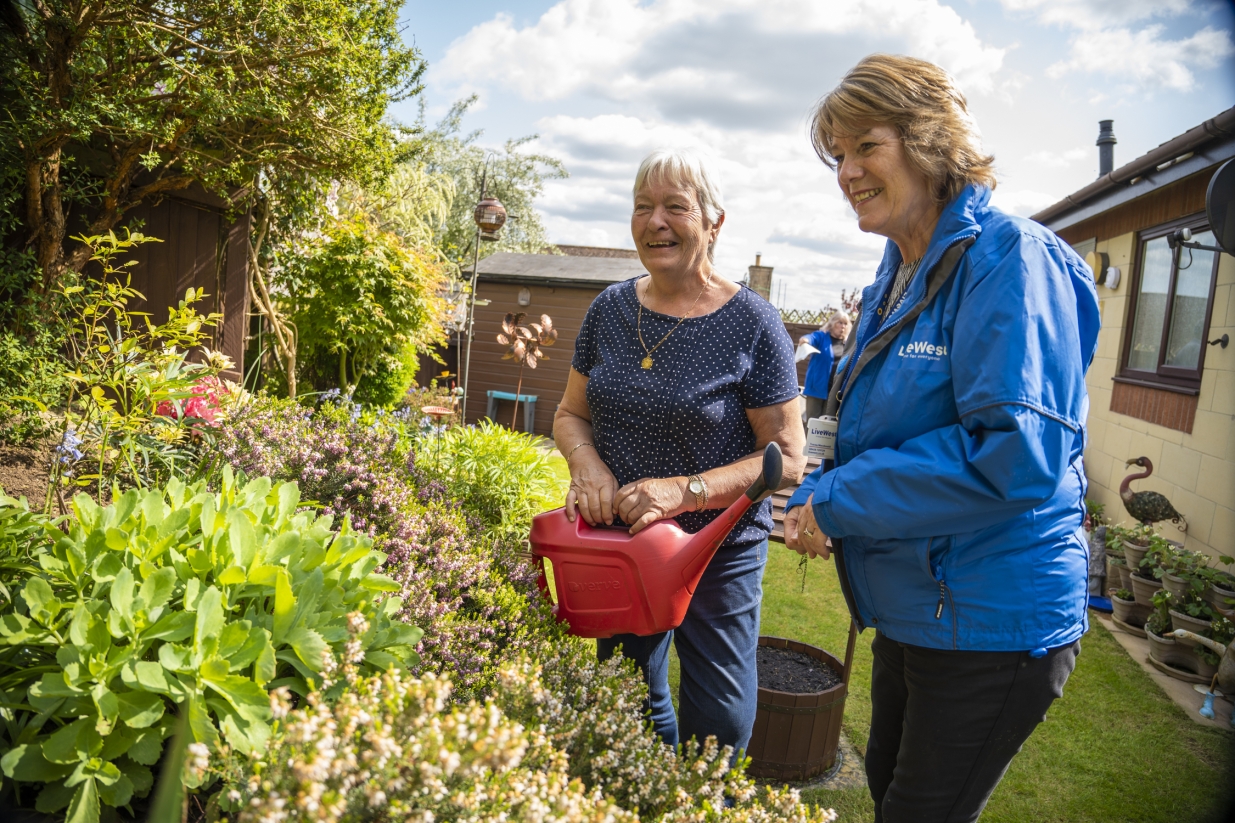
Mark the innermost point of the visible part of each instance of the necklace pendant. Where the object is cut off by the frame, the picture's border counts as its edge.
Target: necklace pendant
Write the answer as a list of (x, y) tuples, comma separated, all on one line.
[(646, 362)]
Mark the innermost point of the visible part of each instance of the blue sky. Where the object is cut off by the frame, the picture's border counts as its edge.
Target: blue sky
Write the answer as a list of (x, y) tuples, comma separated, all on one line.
[(605, 81)]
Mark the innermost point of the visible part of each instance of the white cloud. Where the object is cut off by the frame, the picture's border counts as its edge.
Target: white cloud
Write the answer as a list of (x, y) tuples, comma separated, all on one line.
[(606, 81), (1021, 202), (1055, 159), (1099, 14), (1144, 59), (623, 50)]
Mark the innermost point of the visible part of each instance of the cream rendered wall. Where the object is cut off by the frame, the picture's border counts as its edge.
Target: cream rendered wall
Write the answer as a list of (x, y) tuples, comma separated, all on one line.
[(1195, 471)]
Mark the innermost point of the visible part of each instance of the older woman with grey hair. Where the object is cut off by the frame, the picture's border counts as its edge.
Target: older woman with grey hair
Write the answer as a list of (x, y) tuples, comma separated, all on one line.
[(679, 380)]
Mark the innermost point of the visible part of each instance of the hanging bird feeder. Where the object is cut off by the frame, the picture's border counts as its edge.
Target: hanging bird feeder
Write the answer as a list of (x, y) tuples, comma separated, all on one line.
[(490, 216)]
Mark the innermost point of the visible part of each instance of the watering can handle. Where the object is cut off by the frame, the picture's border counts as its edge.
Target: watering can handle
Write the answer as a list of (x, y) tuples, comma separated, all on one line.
[(542, 580), (769, 479)]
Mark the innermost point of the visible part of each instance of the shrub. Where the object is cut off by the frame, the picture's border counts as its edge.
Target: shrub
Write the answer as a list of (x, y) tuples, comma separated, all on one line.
[(499, 475), (392, 749), (469, 587), (391, 376), (178, 597)]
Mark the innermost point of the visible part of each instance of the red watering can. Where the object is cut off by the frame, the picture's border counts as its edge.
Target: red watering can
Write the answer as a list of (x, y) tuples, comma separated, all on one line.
[(612, 582)]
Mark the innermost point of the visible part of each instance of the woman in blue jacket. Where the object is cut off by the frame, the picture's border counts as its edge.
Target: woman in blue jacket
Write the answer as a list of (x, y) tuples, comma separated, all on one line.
[(957, 493), (829, 339)]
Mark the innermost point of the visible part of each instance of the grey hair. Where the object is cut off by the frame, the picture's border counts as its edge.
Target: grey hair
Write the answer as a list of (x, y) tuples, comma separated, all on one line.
[(686, 170), (840, 314)]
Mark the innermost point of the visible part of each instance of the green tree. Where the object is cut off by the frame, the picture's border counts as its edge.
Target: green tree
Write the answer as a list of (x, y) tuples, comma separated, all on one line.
[(514, 176), (112, 103)]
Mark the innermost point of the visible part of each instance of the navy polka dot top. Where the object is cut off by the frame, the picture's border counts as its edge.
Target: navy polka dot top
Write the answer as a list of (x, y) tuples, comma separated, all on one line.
[(686, 414)]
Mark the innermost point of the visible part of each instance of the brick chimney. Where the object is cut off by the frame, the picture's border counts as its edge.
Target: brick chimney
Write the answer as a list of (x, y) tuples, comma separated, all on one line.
[(1106, 147), (759, 278)]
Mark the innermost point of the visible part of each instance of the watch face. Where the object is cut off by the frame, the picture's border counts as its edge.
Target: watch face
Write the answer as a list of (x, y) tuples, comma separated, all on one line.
[(696, 486)]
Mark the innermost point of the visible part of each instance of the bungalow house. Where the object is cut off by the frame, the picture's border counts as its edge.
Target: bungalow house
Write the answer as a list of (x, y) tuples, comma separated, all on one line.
[(1162, 384)]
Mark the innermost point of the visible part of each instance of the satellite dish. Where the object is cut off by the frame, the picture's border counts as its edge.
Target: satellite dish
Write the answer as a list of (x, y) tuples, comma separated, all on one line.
[(1220, 206)]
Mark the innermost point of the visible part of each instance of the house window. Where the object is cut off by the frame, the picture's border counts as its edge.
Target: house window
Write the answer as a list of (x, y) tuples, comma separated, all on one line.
[(1171, 298)]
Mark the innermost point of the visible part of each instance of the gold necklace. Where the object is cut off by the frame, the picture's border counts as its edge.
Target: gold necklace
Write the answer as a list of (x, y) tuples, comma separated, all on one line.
[(646, 362)]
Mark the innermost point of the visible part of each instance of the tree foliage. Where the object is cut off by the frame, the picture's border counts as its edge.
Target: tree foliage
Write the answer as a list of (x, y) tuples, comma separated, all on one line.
[(514, 176), (111, 103)]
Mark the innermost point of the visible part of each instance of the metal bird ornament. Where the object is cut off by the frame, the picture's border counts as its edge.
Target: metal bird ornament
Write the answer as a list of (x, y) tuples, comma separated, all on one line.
[(1148, 507)]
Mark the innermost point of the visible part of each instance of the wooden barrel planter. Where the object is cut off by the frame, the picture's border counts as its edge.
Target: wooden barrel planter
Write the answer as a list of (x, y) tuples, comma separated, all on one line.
[(796, 735)]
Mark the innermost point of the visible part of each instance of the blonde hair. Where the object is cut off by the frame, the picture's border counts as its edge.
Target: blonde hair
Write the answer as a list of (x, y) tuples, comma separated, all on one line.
[(923, 103), (685, 170)]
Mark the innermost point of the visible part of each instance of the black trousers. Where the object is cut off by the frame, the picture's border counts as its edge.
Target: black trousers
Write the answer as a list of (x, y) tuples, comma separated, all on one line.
[(946, 724)]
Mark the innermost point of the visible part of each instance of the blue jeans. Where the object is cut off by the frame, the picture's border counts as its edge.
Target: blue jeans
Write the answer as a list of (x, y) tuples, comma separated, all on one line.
[(716, 647)]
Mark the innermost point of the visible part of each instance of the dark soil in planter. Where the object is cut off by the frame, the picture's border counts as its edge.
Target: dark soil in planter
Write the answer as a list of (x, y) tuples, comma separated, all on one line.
[(788, 671)]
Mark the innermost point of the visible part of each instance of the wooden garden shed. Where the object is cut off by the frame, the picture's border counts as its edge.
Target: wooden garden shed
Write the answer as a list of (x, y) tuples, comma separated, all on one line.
[(559, 285), (201, 248)]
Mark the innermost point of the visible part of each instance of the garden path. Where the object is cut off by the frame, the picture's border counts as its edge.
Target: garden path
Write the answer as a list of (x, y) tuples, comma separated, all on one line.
[(1184, 696)]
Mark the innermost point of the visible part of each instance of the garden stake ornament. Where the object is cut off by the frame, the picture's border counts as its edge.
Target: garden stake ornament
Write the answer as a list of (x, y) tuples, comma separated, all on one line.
[(523, 343)]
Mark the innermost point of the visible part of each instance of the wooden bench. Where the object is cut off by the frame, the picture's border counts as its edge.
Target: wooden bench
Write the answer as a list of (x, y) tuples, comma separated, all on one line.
[(528, 401), (779, 499)]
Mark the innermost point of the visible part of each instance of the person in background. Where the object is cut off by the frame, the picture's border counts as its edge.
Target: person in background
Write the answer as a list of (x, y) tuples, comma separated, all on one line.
[(679, 380), (830, 340), (955, 504)]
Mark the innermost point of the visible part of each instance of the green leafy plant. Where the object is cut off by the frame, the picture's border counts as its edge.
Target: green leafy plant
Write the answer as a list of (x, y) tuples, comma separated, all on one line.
[(1222, 631), (1124, 594), (178, 600), (1096, 512), (1159, 621), (126, 417), (502, 476), (1160, 558)]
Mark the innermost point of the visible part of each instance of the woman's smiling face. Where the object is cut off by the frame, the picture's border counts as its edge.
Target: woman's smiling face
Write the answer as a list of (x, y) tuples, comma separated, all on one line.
[(670, 230), (889, 194)]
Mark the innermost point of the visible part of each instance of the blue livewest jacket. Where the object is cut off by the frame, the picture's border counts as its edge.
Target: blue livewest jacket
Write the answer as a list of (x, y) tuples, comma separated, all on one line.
[(958, 492)]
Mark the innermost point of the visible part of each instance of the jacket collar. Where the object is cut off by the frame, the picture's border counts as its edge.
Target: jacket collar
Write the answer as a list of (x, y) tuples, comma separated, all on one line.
[(958, 221)]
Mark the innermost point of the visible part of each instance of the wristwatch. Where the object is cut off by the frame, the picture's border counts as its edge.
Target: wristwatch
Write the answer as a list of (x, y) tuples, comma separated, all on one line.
[(699, 489)]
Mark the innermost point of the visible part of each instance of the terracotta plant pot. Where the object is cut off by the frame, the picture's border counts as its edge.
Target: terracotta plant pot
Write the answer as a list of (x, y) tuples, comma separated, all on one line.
[(796, 735), (1134, 554), (1129, 611), (1144, 588), (1177, 586), (1171, 652), (1179, 620)]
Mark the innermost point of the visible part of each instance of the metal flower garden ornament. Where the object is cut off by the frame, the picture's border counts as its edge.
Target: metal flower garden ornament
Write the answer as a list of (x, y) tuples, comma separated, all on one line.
[(524, 345)]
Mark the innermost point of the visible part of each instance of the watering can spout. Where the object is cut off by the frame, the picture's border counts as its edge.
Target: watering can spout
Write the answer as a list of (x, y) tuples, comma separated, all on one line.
[(611, 582), (708, 539)]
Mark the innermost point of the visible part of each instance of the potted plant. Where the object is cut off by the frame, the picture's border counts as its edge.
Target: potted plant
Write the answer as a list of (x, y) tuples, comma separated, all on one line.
[(1181, 574), (1129, 614), (1220, 592), (1192, 614), (1136, 543), (1144, 586), (1162, 647), (1118, 573), (1115, 540)]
